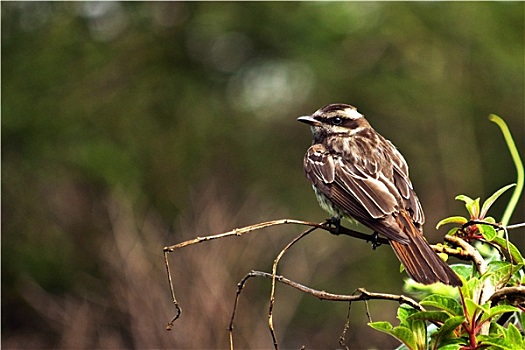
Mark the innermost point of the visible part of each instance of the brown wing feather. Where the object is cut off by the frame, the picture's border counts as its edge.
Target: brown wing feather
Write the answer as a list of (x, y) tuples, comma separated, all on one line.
[(364, 199), (404, 187), (420, 261)]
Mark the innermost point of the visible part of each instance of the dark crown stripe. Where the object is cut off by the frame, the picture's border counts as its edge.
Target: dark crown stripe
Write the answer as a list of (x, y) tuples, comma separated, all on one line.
[(336, 107)]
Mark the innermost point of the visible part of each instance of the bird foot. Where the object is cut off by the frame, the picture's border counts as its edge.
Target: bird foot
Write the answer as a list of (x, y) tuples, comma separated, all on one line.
[(336, 223), (375, 240)]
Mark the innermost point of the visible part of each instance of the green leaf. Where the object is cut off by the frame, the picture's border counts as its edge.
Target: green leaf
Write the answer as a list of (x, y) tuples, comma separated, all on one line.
[(451, 324), (487, 231), (381, 326), (514, 252), (471, 285), (445, 331), (452, 231), (452, 220), (406, 336), (488, 203), (498, 343), (489, 219), (451, 347), (514, 335), (472, 205), (447, 304), (472, 307), (497, 330), (501, 271), (433, 316), (473, 208), (462, 270), (464, 198), (497, 310), (419, 331), (403, 334), (405, 311)]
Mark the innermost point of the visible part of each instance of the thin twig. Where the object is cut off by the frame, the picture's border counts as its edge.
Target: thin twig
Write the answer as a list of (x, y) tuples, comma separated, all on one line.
[(323, 295), (251, 228), (512, 227), (247, 229), (359, 294), (455, 252), (327, 296), (342, 338), (481, 222), (274, 273), (240, 287), (177, 306), (469, 251), (515, 295)]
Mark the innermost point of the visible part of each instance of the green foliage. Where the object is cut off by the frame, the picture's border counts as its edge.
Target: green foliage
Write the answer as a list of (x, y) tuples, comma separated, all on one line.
[(457, 324), (472, 320), (474, 210)]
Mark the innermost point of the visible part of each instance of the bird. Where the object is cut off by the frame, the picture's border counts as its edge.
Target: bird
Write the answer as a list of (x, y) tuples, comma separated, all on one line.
[(359, 175)]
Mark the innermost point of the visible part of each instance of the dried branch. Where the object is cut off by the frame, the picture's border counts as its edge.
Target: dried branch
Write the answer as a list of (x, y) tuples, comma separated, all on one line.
[(342, 338), (274, 273), (360, 294), (323, 295), (455, 252), (515, 295), (515, 226), (469, 252), (247, 229), (251, 228)]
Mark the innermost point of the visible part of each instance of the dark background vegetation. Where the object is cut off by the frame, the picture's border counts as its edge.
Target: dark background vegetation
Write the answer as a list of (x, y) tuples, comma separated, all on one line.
[(130, 126)]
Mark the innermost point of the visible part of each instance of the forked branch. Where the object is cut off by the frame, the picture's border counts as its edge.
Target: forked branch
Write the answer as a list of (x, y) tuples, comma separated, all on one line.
[(251, 228), (359, 294)]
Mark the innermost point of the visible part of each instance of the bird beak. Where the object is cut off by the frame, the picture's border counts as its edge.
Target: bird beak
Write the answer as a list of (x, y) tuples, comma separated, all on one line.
[(309, 120)]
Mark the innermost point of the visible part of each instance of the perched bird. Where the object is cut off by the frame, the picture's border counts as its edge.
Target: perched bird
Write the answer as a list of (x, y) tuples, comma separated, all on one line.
[(358, 174)]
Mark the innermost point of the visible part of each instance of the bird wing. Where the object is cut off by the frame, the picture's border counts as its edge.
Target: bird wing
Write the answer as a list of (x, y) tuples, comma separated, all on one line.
[(359, 191), (404, 186)]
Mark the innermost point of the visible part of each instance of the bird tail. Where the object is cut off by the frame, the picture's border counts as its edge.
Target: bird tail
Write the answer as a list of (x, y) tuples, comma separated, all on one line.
[(421, 263)]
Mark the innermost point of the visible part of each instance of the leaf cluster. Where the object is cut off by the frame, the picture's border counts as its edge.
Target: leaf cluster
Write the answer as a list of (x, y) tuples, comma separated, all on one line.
[(487, 311)]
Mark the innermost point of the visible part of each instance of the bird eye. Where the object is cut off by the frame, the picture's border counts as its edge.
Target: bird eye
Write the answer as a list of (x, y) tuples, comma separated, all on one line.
[(337, 120)]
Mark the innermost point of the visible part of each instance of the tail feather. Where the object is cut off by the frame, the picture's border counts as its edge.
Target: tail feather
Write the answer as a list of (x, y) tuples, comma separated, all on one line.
[(420, 261)]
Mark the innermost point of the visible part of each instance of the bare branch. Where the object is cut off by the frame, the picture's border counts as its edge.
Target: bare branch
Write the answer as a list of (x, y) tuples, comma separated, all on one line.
[(274, 273), (520, 225), (495, 225), (323, 295), (455, 252), (470, 252), (359, 294), (342, 338), (247, 229), (515, 295), (172, 292), (251, 228)]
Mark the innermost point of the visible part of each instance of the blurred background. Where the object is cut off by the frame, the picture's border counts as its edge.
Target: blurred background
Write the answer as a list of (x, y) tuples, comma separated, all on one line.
[(130, 126)]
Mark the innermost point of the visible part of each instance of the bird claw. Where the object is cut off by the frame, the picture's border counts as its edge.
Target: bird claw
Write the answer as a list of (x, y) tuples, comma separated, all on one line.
[(336, 223), (375, 240)]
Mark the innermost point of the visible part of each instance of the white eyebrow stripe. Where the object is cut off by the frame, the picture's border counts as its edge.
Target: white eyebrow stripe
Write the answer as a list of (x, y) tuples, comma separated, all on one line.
[(353, 114)]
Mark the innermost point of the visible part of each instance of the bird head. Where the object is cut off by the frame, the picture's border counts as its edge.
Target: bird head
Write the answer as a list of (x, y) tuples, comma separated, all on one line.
[(335, 119)]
